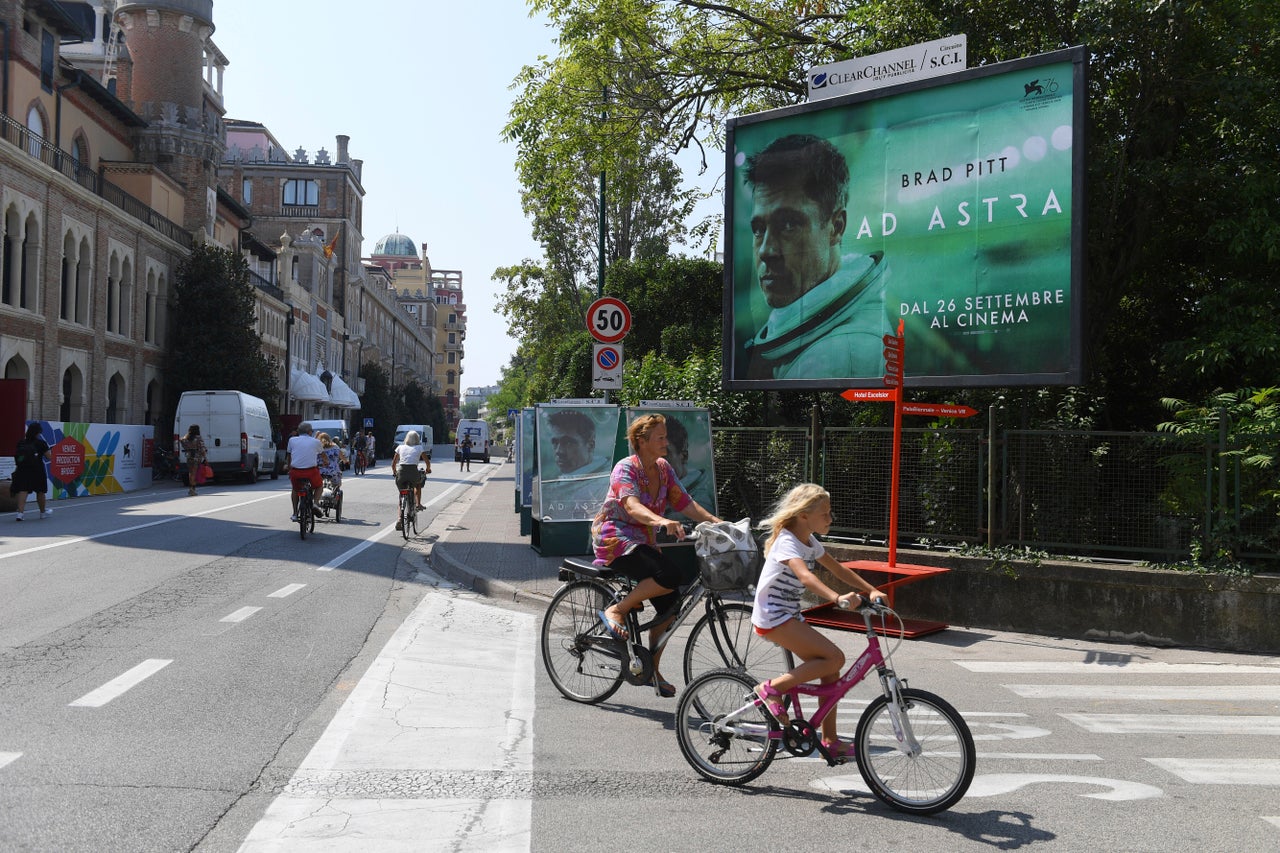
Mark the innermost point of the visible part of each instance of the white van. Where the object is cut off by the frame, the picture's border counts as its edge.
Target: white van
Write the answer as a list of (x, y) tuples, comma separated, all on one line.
[(236, 430), (479, 432), (337, 430), (424, 432)]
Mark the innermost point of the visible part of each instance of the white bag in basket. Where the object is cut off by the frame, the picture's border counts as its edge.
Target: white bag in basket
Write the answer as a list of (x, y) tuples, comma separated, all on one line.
[(728, 554)]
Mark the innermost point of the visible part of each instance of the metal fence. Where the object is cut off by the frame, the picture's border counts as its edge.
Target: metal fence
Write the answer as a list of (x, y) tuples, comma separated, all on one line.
[(1108, 494)]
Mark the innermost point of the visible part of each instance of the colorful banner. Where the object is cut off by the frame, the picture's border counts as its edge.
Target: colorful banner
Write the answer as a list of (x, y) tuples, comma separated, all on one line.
[(961, 214), (96, 459)]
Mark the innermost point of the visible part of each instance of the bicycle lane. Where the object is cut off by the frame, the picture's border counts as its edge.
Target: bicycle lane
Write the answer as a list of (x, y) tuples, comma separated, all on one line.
[(433, 748)]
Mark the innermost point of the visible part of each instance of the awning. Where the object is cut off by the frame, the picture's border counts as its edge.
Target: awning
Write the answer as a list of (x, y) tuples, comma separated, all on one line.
[(342, 396), (306, 388)]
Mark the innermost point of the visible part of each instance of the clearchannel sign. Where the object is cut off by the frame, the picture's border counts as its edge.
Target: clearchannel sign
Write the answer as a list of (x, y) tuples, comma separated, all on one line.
[(890, 68)]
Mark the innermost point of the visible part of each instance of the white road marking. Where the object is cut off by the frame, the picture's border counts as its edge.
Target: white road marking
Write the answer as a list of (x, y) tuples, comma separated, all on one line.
[(119, 530), (994, 784), (1274, 821), (120, 684), (286, 591), (1211, 693), (1043, 756), (337, 561), (1222, 771), (240, 615), (398, 768), (1117, 668), (1209, 724), (9, 757)]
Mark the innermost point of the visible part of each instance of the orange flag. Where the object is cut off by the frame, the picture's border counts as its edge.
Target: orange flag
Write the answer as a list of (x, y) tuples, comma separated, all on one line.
[(333, 244)]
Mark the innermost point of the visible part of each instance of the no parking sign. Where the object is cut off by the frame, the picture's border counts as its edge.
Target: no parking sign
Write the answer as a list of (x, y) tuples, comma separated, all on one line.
[(606, 366)]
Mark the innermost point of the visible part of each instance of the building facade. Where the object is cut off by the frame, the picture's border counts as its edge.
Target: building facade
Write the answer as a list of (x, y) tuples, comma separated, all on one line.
[(115, 158)]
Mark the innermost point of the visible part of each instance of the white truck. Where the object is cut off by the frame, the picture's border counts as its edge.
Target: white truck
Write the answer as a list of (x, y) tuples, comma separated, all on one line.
[(478, 430), (236, 429)]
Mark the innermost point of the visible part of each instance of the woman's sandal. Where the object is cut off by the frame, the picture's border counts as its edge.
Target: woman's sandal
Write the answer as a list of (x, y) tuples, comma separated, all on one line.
[(768, 696), (838, 749)]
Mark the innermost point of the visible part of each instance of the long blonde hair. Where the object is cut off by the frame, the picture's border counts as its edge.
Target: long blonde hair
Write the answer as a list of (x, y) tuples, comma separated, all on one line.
[(801, 499)]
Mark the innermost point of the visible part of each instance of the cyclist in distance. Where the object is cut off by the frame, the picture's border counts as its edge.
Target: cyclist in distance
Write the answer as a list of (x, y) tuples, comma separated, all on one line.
[(303, 458), (624, 533), (791, 553), (404, 466)]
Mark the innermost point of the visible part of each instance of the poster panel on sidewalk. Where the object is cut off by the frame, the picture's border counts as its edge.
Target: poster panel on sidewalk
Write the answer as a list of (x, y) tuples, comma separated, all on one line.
[(525, 455), (96, 459), (954, 204), (575, 456), (689, 449)]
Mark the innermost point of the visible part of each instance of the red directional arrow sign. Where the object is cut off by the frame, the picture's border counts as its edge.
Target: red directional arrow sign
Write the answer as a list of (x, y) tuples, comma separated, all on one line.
[(938, 410), (854, 395)]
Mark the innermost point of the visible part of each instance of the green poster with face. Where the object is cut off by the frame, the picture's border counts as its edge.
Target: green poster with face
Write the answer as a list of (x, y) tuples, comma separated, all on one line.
[(954, 205), (575, 446), (688, 449)]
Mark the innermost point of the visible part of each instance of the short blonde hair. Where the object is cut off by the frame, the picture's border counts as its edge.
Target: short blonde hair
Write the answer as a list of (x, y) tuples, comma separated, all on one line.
[(324, 438), (795, 503)]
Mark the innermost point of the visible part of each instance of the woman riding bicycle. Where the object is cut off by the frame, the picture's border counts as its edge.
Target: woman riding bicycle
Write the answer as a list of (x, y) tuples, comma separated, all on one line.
[(331, 459), (404, 465), (624, 532), (791, 552)]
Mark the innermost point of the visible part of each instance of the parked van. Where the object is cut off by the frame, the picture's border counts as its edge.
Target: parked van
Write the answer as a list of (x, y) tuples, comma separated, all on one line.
[(479, 432), (236, 430), (337, 430), (424, 434)]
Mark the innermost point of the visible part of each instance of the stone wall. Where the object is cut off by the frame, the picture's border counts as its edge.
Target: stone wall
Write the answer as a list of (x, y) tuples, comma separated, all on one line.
[(1091, 601)]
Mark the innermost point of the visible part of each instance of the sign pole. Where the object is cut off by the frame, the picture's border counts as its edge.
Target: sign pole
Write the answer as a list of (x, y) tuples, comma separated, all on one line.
[(895, 377)]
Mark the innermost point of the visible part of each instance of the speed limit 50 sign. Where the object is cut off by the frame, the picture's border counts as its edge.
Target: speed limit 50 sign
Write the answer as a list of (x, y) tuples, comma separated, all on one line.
[(608, 320)]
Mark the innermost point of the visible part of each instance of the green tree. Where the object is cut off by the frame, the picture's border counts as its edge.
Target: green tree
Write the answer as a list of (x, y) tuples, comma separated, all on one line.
[(1183, 181), (216, 343)]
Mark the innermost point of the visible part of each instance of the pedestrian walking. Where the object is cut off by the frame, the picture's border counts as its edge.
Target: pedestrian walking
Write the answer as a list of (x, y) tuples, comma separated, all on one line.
[(466, 453), (29, 474), (197, 454)]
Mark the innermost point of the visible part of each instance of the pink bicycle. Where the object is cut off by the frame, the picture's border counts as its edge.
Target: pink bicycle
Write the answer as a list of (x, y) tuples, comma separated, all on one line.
[(912, 748)]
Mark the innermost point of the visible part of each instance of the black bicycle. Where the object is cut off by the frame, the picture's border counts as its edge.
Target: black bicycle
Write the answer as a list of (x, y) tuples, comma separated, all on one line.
[(306, 511), (408, 512), (587, 665), (164, 464)]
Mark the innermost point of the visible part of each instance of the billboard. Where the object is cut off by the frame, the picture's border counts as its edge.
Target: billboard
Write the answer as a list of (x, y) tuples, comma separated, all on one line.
[(954, 203), (575, 447), (689, 449)]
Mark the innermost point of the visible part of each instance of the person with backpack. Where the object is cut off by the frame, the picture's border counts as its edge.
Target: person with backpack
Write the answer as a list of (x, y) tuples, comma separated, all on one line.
[(29, 474)]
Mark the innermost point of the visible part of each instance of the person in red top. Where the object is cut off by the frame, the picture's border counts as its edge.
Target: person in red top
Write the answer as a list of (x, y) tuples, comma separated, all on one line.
[(303, 457)]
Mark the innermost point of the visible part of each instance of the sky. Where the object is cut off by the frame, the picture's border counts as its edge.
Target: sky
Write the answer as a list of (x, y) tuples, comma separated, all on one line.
[(421, 88)]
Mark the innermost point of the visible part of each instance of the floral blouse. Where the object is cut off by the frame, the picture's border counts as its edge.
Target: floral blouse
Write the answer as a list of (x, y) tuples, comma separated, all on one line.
[(614, 532)]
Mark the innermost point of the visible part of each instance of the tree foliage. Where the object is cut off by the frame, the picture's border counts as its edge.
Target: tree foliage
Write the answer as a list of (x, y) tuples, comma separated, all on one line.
[(216, 345), (1183, 182)]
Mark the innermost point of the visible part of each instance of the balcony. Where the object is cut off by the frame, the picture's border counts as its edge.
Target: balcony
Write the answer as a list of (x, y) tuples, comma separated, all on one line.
[(60, 161)]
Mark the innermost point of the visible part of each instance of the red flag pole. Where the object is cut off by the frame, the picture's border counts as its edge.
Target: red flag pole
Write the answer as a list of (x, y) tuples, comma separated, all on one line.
[(897, 449)]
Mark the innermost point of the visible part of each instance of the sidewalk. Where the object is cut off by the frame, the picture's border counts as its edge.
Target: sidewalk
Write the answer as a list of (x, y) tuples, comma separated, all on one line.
[(483, 550)]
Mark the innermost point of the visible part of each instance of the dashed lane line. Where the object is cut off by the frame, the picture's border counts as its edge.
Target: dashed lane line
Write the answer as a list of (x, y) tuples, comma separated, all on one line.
[(1222, 771), (286, 591), (1206, 724), (1201, 693), (120, 684), (1064, 667), (9, 757), (240, 615)]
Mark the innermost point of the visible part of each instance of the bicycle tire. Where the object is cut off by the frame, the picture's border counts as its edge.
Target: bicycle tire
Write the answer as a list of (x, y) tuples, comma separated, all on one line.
[(934, 780), (359, 464), (413, 518), (337, 509), (583, 662), (304, 512), (404, 517), (732, 644), (719, 756)]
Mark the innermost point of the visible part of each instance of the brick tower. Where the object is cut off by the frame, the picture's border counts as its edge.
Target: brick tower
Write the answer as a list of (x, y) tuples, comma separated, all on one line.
[(163, 79)]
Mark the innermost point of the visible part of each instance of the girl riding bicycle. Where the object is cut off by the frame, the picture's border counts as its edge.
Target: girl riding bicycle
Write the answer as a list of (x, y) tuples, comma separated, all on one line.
[(791, 552)]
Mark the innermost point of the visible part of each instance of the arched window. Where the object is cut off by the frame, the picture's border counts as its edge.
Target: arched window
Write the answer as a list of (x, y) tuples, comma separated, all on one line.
[(35, 124), (72, 407), (115, 399)]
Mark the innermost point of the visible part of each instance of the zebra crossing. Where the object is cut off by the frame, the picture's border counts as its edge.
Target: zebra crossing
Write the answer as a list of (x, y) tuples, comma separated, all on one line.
[(1158, 700)]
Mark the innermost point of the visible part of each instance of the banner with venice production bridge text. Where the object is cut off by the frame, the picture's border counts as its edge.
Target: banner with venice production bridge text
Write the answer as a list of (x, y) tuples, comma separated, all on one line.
[(955, 204), (95, 459)]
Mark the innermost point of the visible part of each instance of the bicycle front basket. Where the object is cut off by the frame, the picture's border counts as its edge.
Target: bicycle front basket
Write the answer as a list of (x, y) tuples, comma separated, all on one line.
[(727, 571)]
